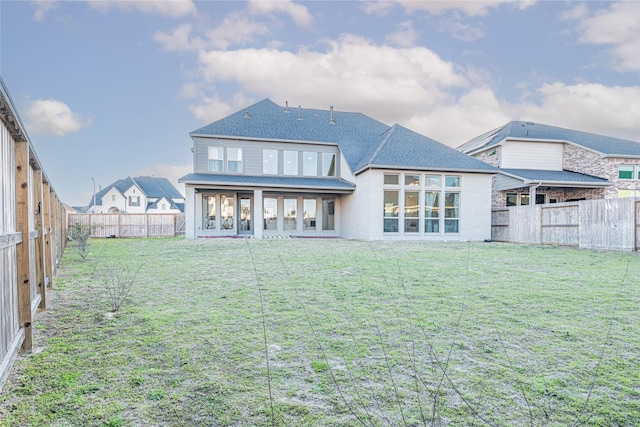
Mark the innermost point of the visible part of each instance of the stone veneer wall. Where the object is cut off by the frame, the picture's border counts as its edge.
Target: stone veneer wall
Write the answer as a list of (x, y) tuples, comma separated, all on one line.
[(493, 160), (578, 159)]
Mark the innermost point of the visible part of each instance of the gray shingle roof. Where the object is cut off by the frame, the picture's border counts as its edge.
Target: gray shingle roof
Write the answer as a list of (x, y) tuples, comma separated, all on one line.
[(403, 148), (270, 181), (364, 141), (150, 187), (548, 176), (603, 144)]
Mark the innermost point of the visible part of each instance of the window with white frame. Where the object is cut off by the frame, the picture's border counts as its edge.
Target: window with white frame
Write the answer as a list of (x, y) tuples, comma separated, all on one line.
[(310, 164), (290, 162), (431, 203), (270, 162), (209, 210), (629, 172), (328, 164), (216, 159), (134, 200), (234, 160)]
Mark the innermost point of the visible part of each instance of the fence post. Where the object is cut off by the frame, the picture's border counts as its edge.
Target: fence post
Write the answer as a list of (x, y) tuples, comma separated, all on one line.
[(22, 248), (39, 240)]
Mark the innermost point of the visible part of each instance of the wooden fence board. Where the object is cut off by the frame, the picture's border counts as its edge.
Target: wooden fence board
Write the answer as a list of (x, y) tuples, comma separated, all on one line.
[(26, 222), (130, 225), (593, 224)]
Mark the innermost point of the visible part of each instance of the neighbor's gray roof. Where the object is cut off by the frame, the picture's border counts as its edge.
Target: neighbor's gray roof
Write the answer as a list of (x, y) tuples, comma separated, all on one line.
[(269, 181), (365, 142), (517, 129), (150, 187), (547, 177)]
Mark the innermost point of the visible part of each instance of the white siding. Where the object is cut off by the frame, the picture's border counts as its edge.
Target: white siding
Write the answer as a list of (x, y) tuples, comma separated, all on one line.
[(532, 155)]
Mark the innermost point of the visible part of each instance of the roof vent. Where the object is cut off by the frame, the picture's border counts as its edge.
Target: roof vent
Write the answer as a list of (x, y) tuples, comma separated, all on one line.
[(247, 115), (299, 112), (286, 106), (331, 120)]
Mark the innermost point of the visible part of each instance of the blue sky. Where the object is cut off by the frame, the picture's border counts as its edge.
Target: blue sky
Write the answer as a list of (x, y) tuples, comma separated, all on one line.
[(109, 89)]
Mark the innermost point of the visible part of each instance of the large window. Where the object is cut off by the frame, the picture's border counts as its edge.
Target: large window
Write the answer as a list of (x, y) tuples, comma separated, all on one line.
[(451, 212), (216, 159), (290, 214), (234, 160), (431, 212), (209, 209), (411, 207), (134, 200), (310, 164), (328, 164), (270, 213), (328, 214), (227, 209), (430, 203), (270, 162), (309, 214), (291, 163), (391, 210), (629, 172)]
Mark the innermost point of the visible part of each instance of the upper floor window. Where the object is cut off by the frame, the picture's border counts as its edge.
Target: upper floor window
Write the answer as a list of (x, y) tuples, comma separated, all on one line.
[(310, 164), (328, 164), (134, 200), (216, 159), (270, 162), (234, 160), (291, 163), (629, 172)]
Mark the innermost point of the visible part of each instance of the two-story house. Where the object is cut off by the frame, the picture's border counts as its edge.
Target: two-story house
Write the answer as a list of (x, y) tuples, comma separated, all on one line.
[(142, 194), (271, 170), (547, 164)]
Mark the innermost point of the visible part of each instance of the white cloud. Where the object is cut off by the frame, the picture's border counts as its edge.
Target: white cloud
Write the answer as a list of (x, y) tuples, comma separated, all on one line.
[(469, 8), (170, 172), (299, 13), (617, 27), (591, 107), (170, 8), (377, 7), (412, 86), (42, 7), (180, 39), (236, 29), (52, 117), (405, 36)]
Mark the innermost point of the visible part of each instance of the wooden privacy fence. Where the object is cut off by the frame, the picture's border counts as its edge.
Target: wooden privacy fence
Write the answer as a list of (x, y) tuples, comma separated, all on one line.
[(130, 225), (32, 236), (593, 224)]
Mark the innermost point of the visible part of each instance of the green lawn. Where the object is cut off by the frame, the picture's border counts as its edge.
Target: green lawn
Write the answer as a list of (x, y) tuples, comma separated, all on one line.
[(324, 332)]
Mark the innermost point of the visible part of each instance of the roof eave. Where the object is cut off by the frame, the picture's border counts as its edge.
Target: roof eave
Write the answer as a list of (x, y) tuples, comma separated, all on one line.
[(250, 138), (425, 168)]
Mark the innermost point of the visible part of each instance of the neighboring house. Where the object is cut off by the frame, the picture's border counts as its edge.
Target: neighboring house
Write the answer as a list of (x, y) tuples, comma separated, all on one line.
[(270, 170), (549, 164), (143, 194)]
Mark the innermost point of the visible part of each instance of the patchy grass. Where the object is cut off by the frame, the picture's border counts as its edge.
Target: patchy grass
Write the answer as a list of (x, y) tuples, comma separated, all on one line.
[(356, 333)]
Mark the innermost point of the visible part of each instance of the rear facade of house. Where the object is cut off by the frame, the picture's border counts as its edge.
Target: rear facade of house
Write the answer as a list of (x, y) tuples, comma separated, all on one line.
[(275, 171)]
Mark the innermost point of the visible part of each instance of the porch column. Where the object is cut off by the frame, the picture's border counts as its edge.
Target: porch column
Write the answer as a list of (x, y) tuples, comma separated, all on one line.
[(532, 193), (258, 214)]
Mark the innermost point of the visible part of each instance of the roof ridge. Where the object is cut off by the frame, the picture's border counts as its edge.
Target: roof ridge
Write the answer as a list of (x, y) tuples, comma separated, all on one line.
[(389, 131)]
